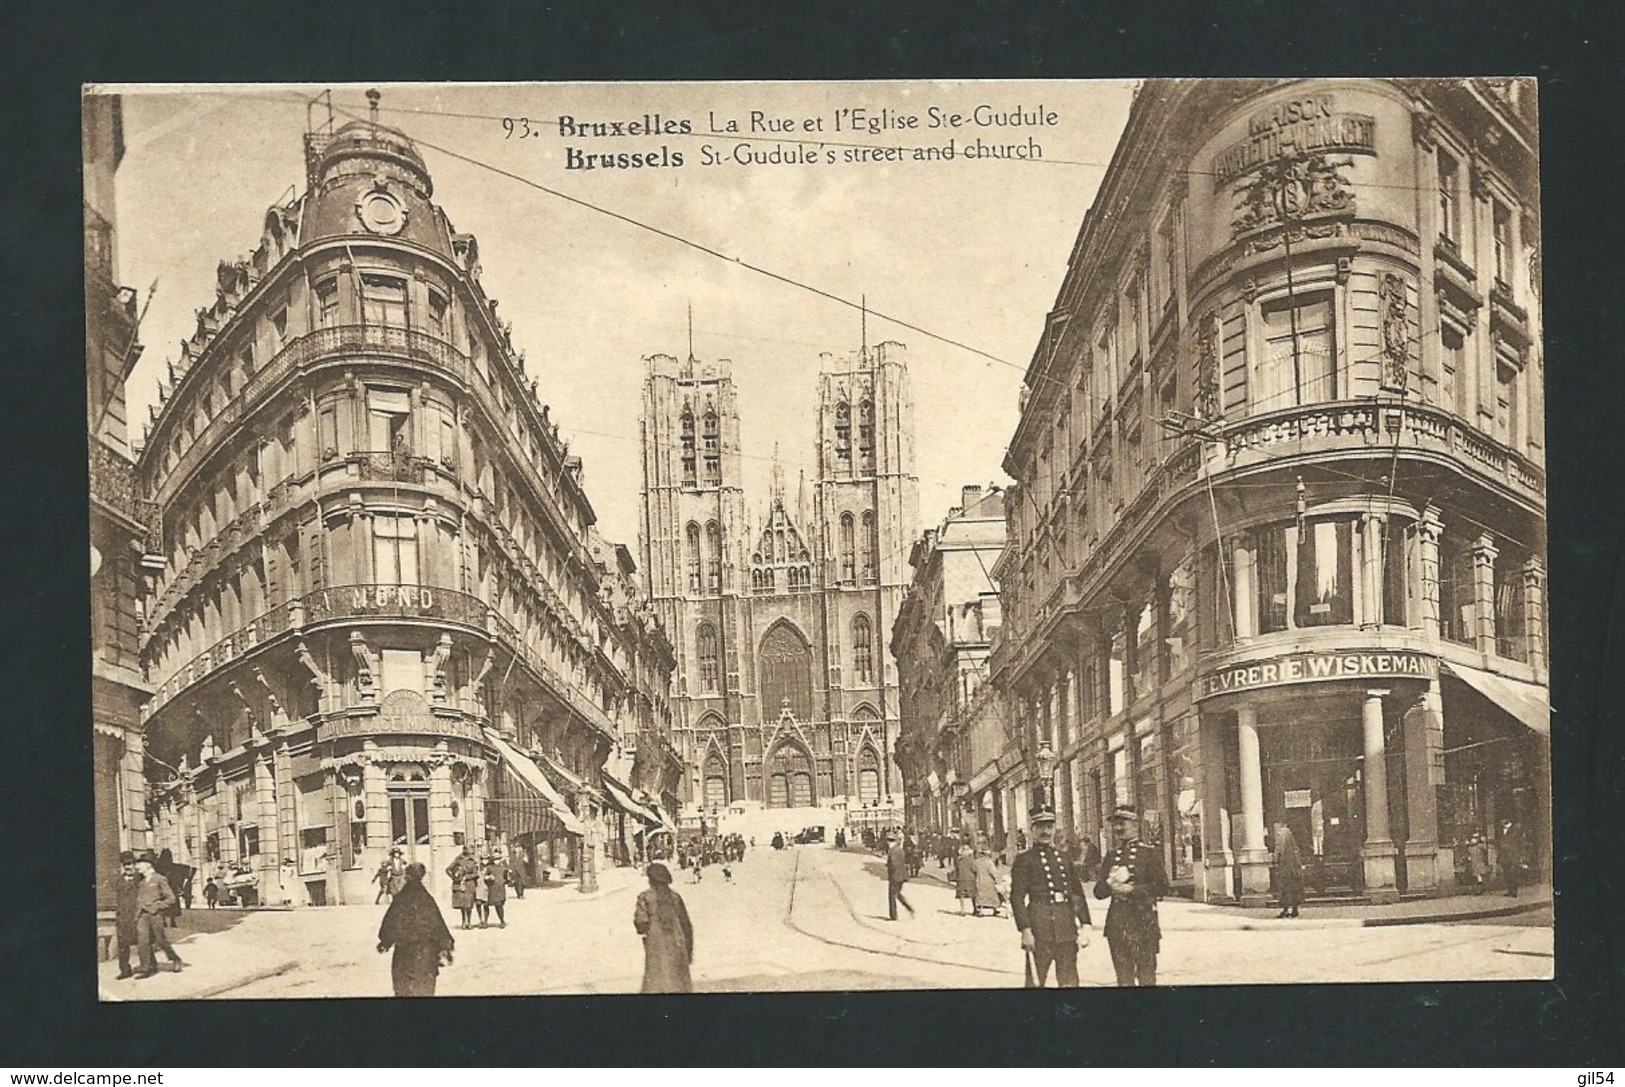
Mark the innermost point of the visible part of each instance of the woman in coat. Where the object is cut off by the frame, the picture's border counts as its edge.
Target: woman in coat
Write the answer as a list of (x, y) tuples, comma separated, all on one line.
[(414, 928), (965, 878), (1288, 871), (987, 883), (495, 879), (668, 938), (464, 872)]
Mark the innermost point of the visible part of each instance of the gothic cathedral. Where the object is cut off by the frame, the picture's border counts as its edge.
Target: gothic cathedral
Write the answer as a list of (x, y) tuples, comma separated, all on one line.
[(786, 696)]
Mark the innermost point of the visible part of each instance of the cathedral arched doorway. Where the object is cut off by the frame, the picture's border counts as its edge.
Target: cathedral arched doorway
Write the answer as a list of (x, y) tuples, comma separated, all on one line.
[(868, 776), (790, 778), (716, 782)]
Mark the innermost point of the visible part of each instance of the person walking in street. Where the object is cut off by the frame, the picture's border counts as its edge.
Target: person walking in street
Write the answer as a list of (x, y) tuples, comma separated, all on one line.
[(154, 899), (1048, 903), (496, 888), (1478, 863), (668, 936), (211, 893), (1288, 871), (165, 866), (391, 875), (896, 875), (965, 880), (1133, 875), (987, 896), (414, 927), (126, 914), (464, 873), (482, 891)]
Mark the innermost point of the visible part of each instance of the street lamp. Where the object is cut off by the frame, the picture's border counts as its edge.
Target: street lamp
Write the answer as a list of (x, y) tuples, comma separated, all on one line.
[(1046, 772)]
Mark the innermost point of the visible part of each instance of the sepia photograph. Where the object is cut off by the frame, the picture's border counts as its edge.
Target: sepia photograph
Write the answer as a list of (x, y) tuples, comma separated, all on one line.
[(587, 538)]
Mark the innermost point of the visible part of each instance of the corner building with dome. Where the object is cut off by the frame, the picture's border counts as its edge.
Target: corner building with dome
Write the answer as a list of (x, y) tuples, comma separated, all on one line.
[(786, 696), (383, 615), (1277, 544)]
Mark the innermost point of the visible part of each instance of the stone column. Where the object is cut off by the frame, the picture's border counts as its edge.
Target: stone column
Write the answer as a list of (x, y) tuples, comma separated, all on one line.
[(269, 860), (1368, 601), (1253, 858), (1429, 530), (1534, 614), (1378, 852), (1217, 859), (1246, 608), (1425, 870), (442, 847), (375, 791), (1484, 555)]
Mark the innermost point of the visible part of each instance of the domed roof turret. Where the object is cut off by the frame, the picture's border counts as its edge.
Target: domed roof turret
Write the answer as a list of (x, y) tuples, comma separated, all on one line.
[(367, 147)]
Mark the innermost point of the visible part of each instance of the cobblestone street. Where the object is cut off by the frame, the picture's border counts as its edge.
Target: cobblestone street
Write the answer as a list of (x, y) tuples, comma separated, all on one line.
[(814, 919)]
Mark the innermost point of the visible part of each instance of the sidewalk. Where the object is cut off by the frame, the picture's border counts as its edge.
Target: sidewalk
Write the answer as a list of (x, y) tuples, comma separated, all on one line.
[(217, 962), (1179, 913)]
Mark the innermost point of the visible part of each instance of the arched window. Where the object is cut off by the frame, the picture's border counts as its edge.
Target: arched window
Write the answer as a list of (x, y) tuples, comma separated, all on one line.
[(706, 639), (688, 448), (863, 650), (786, 673), (843, 434), (713, 450), (713, 545), (868, 776), (868, 545), (847, 557), (866, 435), (693, 535)]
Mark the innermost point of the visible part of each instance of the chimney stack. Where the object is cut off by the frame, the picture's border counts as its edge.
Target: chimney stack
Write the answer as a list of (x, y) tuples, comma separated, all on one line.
[(969, 495)]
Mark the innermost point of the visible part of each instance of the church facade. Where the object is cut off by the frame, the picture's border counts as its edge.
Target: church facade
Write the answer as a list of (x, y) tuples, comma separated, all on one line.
[(785, 695)]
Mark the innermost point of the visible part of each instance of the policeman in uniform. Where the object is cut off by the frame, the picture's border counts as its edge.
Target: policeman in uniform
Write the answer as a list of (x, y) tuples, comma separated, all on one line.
[(1132, 873), (1047, 899)]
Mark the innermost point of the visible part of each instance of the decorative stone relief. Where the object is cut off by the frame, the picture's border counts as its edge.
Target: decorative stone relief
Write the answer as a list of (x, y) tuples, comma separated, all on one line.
[(1208, 334), (1393, 304)]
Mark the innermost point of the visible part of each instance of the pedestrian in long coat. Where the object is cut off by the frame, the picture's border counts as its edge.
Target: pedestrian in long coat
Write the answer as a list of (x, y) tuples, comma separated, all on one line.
[(154, 899), (1512, 853), (496, 888), (987, 884), (668, 937), (897, 874), (126, 916), (464, 872), (965, 879), (414, 927), (1288, 871)]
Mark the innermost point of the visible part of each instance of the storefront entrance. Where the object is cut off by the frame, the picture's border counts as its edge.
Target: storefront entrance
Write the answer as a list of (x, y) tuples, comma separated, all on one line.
[(1313, 784)]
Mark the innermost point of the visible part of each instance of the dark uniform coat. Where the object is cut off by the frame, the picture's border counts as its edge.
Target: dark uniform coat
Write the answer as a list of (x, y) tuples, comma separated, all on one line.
[(465, 874), (1046, 896), (1134, 915), (1288, 870)]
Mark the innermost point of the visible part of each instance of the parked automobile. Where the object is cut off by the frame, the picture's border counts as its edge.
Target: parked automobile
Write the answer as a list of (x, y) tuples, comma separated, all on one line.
[(810, 836)]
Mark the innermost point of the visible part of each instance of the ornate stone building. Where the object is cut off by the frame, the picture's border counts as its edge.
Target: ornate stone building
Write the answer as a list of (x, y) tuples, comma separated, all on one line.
[(119, 518), (1277, 546), (384, 616), (941, 640), (785, 696)]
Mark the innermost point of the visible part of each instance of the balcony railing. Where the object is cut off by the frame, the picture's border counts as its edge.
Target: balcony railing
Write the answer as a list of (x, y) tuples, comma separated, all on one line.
[(349, 341), (113, 483), (376, 602)]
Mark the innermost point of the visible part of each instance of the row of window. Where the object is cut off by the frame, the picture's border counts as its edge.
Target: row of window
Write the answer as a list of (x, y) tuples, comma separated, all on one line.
[(786, 663), (712, 438), (866, 436)]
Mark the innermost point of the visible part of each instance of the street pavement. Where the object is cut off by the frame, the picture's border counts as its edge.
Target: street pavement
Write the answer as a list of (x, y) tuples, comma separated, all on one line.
[(814, 918)]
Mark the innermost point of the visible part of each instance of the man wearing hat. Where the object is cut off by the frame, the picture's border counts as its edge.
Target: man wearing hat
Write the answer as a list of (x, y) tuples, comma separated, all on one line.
[(896, 875), (1133, 875), (154, 898), (126, 914), (1047, 900)]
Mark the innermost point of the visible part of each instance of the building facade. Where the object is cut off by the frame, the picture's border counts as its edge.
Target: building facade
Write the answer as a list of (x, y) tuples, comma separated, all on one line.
[(941, 640), (119, 517), (383, 617), (1277, 546), (784, 694)]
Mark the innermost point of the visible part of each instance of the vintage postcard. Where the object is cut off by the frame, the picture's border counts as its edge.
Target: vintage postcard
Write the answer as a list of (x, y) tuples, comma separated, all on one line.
[(597, 538)]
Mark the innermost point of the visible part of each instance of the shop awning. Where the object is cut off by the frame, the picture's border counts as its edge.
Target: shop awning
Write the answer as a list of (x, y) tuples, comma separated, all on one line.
[(622, 798), (526, 771), (1525, 701)]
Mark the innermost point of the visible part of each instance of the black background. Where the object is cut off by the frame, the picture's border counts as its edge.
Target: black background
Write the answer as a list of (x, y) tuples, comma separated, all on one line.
[(49, 1015)]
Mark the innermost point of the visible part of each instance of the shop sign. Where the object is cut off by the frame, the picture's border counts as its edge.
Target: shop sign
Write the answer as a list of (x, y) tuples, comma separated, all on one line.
[(1299, 798), (1299, 126), (1309, 667)]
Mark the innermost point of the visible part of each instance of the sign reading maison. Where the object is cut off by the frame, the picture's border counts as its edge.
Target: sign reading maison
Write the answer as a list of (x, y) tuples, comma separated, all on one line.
[(1307, 667), (1299, 126)]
